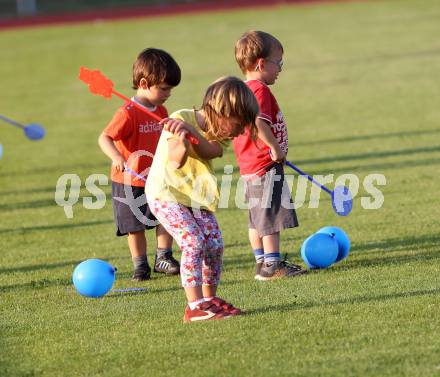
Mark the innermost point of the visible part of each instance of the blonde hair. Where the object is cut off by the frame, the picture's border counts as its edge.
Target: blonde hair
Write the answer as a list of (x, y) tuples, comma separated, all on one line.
[(254, 45), (229, 97)]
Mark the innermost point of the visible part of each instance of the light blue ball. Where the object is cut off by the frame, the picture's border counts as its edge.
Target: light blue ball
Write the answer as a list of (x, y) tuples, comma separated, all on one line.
[(319, 250), (93, 277), (341, 238), (1, 151)]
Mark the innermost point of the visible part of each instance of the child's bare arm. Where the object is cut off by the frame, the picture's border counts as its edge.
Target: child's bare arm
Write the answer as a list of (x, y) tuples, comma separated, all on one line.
[(204, 149), (108, 147), (178, 149), (208, 149), (266, 135)]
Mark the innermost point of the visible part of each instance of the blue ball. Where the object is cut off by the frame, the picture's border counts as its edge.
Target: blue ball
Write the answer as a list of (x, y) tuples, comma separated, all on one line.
[(304, 257), (319, 250), (93, 277), (341, 238), (1, 151)]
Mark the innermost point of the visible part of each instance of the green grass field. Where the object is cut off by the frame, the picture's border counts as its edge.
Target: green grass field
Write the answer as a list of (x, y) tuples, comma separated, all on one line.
[(360, 92)]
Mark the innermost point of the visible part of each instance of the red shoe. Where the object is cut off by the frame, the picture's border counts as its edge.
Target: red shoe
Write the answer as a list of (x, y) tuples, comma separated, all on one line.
[(203, 312), (226, 306)]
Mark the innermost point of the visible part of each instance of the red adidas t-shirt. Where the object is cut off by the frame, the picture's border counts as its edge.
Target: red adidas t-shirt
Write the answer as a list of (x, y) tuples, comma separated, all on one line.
[(136, 135), (253, 157)]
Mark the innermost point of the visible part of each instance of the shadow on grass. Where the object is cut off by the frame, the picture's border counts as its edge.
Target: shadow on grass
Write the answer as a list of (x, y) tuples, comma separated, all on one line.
[(391, 165), (349, 264), (390, 260), (154, 290), (349, 169), (43, 228), (28, 205), (351, 300), (408, 244), (392, 243), (245, 261), (50, 189), (112, 295), (14, 206), (100, 168), (154, 276), (51, 266), (39, 267), (37, 284), (45, 282), (236, 244), (66, 282), (39, 190), (370, 137), (149, 290), (239, 261), (371, 155)]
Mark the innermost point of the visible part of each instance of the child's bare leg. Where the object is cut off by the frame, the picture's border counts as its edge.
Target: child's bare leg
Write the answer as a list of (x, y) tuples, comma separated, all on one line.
[(194, 293), (164, 240), (137, 244), (209, 291), (271, 243), (212, 263), (255, 239), (257, 249)]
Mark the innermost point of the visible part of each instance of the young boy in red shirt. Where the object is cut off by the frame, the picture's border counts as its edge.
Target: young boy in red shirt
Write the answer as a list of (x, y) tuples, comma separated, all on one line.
[(259, 56), (131, 139)]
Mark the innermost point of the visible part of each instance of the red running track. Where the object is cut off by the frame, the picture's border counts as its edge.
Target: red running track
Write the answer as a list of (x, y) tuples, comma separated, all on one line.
[(146, 11)]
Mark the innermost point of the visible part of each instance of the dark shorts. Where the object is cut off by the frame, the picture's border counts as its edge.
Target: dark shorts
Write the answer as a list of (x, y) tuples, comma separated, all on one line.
[(132, 214), (271, 208)]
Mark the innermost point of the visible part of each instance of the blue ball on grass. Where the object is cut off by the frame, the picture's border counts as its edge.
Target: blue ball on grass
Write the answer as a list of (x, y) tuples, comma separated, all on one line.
[(93, 277), (303, 256), (320, 250), (341, 238)]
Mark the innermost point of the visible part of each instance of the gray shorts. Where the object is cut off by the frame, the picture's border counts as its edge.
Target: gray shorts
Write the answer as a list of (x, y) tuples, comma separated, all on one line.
[(271, 208), (132, 213)]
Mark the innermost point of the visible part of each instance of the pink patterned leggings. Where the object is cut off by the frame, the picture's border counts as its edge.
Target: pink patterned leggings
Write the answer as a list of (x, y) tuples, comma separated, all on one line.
[(199, 238)]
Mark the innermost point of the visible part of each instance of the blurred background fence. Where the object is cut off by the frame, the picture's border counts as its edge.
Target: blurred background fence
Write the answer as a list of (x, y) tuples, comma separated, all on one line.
[(27, 8)]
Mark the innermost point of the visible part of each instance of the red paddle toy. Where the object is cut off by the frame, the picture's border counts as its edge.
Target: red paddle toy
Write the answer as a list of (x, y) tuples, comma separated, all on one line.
[(102, 86)]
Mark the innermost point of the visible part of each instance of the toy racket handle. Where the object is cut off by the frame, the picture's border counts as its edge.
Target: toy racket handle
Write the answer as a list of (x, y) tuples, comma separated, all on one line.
[(101, 85)]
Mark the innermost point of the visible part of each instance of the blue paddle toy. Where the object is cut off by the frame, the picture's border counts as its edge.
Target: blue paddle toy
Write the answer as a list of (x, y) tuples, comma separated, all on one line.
[(342, 200), (32, 131)]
